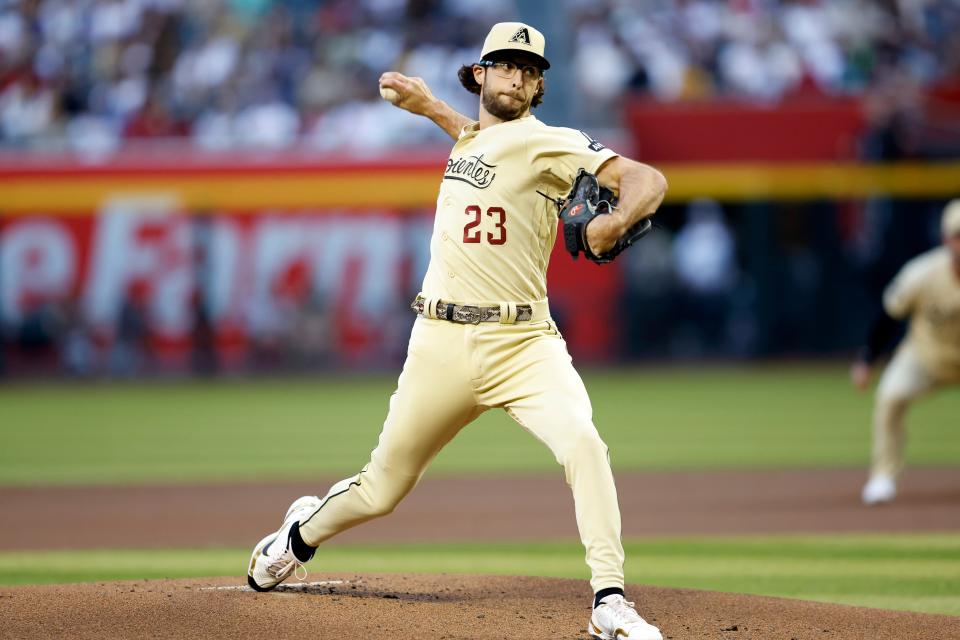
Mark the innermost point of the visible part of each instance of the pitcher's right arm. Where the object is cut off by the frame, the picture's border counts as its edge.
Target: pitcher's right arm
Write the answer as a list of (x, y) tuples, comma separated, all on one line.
[(416, 97)]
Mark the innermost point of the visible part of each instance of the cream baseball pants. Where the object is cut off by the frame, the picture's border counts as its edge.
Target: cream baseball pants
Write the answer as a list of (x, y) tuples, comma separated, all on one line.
[(905, 379), (455, 372)]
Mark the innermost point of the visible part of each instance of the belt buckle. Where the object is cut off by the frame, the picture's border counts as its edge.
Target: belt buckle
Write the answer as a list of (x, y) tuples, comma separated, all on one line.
[(467, 314)]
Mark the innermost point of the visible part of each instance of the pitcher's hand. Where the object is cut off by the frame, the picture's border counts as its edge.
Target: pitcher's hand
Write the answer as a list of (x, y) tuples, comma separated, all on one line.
[(415, 95)]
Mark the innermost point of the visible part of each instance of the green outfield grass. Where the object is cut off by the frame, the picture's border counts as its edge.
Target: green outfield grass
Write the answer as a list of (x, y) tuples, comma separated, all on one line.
[(911, 572), (674, 418)]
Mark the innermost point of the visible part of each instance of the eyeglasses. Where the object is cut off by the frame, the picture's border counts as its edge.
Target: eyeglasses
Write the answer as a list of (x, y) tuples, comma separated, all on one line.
[(506, 69)]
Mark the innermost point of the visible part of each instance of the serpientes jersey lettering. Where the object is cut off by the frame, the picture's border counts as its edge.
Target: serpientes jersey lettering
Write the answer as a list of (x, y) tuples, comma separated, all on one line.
[(927, 291), (493, 231)]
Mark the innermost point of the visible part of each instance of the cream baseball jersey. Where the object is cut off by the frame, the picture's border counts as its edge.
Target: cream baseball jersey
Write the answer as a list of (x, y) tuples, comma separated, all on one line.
[(493, 231), (928, 291)]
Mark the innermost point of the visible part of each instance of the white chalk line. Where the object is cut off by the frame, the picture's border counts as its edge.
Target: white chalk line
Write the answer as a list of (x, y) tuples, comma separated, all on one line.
[(300, 586)]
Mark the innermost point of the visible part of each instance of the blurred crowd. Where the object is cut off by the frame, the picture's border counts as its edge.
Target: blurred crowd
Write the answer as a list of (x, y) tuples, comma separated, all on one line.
[(761, 49), (88, 74)]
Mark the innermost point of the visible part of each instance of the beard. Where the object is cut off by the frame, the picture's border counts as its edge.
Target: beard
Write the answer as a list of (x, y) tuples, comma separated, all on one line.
[(502, 108)]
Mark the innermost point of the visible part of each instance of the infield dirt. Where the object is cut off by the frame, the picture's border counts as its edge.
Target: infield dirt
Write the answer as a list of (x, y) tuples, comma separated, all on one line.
[(490, 509), (440, 607)]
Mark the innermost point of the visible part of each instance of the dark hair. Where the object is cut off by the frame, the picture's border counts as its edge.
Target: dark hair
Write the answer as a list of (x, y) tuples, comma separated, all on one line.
[(470, 84)]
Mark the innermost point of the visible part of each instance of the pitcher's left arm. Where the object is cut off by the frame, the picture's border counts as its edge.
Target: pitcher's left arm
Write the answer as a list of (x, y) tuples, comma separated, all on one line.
[(640, 189)]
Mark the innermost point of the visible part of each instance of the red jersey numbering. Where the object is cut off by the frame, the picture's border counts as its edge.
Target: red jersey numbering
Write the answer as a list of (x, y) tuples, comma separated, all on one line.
[(472, 235)]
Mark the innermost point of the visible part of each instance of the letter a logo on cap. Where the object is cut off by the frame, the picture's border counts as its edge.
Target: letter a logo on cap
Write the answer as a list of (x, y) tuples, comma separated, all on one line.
[(522, 35)]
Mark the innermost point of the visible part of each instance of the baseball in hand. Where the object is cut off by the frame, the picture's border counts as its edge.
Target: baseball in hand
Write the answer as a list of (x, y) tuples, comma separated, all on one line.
[(390, 95)]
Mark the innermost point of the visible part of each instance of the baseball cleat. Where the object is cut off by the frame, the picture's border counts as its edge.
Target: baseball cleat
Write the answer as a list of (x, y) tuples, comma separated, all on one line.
[(880, 488), (616, 619), (272, 560)]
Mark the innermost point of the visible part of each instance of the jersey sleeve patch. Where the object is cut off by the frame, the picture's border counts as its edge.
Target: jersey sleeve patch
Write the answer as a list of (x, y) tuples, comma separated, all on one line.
[(592, 144)]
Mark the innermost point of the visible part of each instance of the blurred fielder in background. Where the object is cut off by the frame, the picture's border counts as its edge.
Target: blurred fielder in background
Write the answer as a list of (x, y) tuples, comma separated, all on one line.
[(927, 291)]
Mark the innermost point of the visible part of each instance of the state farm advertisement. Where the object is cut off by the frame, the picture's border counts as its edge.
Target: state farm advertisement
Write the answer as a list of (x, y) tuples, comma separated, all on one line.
[(145, 286), (265, 284)]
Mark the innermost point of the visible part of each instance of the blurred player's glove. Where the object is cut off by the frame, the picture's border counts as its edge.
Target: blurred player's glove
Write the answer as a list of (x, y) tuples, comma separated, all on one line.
[(586, 201)]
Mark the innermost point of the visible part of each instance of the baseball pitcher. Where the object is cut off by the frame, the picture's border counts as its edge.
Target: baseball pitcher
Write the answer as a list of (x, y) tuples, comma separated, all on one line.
[(484, 336), (927, 292)]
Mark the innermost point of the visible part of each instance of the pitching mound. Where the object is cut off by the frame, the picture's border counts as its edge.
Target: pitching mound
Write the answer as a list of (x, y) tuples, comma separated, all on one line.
[(425, 606)]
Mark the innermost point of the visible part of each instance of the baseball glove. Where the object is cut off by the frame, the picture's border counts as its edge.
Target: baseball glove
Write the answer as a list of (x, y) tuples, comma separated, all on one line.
[(586, 201)]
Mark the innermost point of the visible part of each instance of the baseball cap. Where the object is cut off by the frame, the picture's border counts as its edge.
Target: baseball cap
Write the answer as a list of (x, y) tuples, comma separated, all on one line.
[(515, 36), (951, 219)]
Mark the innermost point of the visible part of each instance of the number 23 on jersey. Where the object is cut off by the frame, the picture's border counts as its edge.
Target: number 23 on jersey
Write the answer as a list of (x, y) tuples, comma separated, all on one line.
[(472, 235)]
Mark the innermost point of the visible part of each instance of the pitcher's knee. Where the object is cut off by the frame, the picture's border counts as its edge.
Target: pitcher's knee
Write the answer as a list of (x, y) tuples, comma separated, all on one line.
[(585, 445), (383, 505), (385, 500)]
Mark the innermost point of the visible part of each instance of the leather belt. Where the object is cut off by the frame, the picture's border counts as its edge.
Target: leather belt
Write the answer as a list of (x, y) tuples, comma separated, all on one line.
[(469, 314)]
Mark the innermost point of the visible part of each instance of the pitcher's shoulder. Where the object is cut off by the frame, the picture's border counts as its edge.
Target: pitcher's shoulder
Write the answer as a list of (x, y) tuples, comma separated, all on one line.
[(540, 126), (567, 137)]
